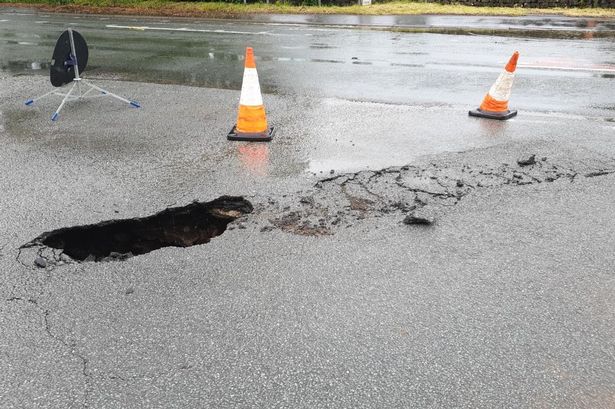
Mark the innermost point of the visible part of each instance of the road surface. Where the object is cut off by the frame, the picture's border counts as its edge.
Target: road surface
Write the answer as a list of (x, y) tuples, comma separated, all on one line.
[(322, 296)]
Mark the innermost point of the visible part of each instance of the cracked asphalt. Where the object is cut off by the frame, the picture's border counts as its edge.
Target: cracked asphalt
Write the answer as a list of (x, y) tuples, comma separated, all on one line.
[(322, 296)]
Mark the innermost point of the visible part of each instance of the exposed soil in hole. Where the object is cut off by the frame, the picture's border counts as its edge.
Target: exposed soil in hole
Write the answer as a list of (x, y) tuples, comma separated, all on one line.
[(196, 223)]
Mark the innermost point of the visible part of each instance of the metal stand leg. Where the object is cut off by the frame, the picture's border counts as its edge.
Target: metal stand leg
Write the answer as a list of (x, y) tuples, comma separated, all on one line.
[(105, 92), (76, 93), (31, 102), (67, 97)]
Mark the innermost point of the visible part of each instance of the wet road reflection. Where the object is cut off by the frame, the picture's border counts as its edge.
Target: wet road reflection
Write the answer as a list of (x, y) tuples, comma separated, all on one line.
[(254, 157)]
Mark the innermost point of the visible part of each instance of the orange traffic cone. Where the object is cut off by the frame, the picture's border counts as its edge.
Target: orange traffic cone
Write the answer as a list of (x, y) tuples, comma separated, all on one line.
[(495, 103), (251, 119)]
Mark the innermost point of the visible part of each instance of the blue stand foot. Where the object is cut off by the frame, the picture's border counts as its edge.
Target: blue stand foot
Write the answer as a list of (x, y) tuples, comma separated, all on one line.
[(55, 116), (135, 104), (29, 102)]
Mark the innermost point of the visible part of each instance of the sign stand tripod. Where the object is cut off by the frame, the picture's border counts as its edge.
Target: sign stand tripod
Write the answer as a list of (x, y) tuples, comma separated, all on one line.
[(68, 71)]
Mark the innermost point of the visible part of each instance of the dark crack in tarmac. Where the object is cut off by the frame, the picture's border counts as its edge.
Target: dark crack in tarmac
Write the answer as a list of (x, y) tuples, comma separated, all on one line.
[(71, 346), (419, 191)]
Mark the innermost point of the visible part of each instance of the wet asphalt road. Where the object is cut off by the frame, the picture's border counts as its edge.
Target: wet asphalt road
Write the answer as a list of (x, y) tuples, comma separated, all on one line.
[(507, 301), (564, 88)]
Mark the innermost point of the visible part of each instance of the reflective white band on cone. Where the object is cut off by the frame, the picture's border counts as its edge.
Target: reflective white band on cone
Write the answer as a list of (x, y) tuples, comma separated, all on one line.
[(250, 89), (500, 91)]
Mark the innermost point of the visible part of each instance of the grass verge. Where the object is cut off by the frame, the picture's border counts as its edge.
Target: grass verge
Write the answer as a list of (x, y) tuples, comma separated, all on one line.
[(229, 10)]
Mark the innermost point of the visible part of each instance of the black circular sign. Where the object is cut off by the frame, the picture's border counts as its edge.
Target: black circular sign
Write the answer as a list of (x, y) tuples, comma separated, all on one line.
[(62, 70)]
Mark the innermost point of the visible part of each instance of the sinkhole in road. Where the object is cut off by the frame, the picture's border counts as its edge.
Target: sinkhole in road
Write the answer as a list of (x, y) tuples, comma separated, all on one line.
[(196, 223)]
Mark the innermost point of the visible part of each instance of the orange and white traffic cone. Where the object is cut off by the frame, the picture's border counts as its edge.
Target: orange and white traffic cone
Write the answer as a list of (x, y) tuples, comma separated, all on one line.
[(251, 119), (495, 103)]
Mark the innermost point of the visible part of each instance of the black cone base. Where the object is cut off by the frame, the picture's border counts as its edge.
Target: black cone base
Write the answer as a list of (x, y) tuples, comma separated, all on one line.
[(61, 71), (250, 137), (493, 115)]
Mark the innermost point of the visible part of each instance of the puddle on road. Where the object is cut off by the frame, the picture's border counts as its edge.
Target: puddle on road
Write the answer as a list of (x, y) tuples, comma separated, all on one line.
[(196, 223), (13, 121), (215, 70), (23, 66)]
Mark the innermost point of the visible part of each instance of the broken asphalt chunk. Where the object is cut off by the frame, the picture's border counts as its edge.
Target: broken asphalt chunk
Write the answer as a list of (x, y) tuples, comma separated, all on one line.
[(40, 262), (527, 161), (424, 218)]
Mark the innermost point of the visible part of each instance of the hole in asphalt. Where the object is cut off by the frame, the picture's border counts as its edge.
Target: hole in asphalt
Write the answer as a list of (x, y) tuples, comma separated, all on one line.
[(196, 223)]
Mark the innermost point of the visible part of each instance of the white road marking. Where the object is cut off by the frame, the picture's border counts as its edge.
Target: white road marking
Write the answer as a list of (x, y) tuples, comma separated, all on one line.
[(538, 66), (3, 21), (564, 68), (193, 30)]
